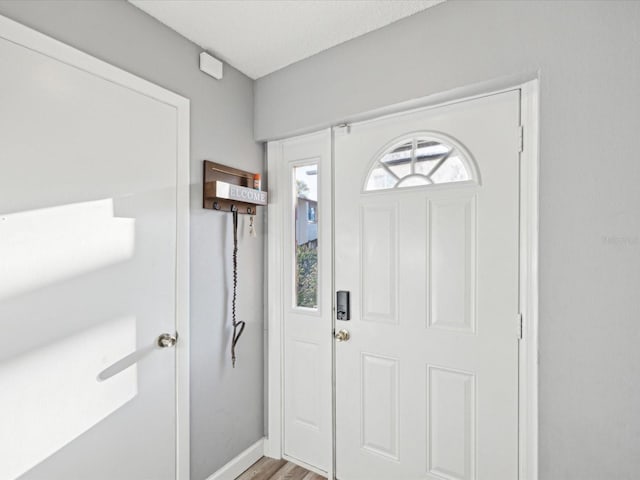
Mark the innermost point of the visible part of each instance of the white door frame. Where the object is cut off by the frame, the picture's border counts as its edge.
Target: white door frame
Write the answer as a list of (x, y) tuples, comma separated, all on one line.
[(528, 347), (33, 40)]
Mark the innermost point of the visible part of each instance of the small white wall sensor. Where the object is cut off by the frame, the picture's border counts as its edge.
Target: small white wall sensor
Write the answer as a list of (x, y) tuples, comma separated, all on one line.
[(211, 65)]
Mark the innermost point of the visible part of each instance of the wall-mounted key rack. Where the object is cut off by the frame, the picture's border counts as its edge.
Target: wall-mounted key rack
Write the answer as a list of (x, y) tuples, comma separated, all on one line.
[(227, 188)]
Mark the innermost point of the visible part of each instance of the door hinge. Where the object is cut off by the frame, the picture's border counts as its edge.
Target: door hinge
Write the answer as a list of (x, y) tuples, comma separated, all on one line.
[(344, 128), (520, 326), (520, 139)]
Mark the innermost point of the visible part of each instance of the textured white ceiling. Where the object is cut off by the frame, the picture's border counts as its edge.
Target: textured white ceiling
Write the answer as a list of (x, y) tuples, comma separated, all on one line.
[(261, 36)]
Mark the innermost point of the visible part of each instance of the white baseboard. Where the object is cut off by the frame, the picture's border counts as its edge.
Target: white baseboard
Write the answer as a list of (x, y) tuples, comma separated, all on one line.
[(239, 464)]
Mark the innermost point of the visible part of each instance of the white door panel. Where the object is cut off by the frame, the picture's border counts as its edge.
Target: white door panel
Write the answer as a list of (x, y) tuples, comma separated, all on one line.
[(87, 274), (427, 385), (307, 317)]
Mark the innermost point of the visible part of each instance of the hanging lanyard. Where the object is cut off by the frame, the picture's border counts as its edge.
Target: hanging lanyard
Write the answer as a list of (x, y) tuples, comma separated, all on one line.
[(236, 324)]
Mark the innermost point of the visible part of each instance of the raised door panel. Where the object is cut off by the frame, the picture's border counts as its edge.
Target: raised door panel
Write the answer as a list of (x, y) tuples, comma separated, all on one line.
[(451, 423), (305, 404), (379, 230), (379, 405), (452, 264)]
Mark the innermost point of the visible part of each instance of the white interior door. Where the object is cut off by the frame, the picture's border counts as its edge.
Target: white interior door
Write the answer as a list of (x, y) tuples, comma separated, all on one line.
[(426, 240), (88, 208)]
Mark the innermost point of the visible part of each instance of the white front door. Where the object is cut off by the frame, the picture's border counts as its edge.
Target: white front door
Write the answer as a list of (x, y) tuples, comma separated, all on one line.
[(426, 241), (88, 267)]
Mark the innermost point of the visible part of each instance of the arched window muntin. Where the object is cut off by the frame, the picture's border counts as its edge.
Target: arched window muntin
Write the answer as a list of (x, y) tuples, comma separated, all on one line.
[(417, 160)]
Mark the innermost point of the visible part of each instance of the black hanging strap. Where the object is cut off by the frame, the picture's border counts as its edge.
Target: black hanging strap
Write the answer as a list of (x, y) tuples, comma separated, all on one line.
[(236, 324)]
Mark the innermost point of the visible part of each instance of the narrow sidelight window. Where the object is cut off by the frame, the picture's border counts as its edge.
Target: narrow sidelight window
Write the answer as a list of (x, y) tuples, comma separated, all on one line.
[(305, 190)]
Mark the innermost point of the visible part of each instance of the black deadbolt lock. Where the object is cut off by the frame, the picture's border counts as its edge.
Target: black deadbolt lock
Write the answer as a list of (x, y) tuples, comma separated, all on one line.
[(343, 310)]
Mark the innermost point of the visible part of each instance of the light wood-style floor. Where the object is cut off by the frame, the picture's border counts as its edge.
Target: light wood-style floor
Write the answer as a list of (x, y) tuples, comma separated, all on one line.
[(271, 469)]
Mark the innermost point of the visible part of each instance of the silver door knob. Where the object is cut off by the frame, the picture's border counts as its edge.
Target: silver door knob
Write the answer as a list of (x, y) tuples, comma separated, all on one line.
[(166, 340), (342, 335)]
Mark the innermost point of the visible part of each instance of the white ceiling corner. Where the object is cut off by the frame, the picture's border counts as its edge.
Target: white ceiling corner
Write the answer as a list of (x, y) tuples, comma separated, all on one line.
[(261, 36)]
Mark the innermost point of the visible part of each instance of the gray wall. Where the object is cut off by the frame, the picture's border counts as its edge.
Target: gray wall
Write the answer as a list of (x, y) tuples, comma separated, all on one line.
[(226, 404), (588, 55)]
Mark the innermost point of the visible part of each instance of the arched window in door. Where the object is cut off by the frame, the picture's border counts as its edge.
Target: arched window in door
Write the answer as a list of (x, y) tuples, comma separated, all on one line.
[(420, 160)]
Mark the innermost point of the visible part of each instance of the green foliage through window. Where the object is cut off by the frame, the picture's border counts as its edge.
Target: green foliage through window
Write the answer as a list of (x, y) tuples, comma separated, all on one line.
[(307, 275)]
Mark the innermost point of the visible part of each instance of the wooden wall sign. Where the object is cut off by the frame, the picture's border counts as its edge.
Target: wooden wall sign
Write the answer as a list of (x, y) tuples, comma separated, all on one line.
[(226, 188)]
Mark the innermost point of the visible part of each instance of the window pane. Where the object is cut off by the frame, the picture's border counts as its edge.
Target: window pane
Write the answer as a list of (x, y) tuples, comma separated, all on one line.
[(380, 179), (398, 160), (306, 231), (428, 153), (452, 170), (413, 181)]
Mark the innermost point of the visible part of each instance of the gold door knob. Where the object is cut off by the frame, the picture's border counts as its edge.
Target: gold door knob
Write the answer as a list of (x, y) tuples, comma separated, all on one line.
[(342, 336)]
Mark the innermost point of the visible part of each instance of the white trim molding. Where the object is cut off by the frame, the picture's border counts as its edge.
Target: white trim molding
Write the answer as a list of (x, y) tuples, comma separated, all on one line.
[(240, 463), (529, 284), (275, 240), (36, 41), (183, 293)]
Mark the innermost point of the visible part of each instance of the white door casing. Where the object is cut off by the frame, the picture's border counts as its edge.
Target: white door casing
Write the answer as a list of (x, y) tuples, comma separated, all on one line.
[(94, 246), (427, 386), (306, 330)]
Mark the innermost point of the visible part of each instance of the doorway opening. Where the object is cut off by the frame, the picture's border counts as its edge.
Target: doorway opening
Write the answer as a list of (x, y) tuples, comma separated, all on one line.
[(431, 217)]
